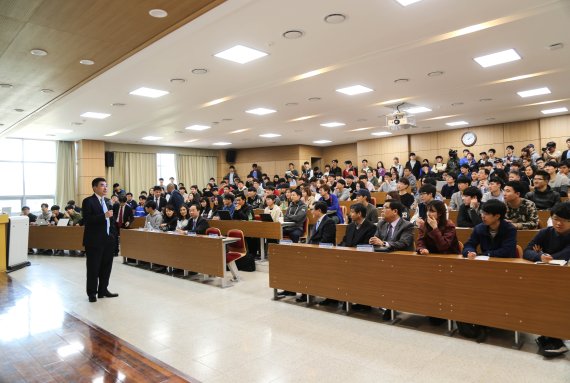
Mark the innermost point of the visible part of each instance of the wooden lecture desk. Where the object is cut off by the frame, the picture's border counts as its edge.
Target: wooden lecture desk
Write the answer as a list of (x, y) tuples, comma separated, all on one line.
[(511, 294), (201, 253), (56, 237)]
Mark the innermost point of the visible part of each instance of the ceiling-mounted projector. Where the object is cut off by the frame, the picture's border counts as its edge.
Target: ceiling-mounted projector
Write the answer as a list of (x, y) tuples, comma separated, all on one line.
[(400, 120)]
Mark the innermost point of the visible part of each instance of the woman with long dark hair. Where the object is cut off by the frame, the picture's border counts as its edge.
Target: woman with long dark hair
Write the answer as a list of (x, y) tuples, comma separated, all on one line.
[(437, 233)]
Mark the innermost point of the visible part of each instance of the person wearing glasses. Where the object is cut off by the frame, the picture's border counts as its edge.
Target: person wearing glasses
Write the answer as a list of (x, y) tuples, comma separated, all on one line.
[(543, 197), (552, 243), (427, 194)]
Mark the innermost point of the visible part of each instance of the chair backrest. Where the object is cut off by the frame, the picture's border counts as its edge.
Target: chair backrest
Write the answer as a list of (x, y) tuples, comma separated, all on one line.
[(373, 201), (213, 230), (306, 228), (519, 251), (343, 210), (460, 247), (239, 246)]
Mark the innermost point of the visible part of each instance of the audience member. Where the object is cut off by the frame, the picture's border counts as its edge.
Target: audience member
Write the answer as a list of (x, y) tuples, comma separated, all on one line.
[(469, 214), (521, 212), (324, 230), (543, 197), (360, 230), (437, 233), (296, 213)]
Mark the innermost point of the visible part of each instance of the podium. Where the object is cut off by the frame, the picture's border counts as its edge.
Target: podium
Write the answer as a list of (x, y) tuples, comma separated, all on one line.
[(17, 242), (4, 218)]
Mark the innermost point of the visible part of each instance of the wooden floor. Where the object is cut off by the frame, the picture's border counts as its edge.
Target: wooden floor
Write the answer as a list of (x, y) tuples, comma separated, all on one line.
[(46, 344)]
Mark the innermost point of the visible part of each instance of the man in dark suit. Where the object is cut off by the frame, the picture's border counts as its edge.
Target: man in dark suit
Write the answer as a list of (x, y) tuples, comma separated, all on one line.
[(158, 198), (360, 230), (414, 165), (123, 214), (99, 239), (324, 230), (176, 198), (131, 202), (393, 232), (196, 224)]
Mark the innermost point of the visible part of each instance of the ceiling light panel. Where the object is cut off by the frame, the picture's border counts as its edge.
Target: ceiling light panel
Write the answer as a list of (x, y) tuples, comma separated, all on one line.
[(96, 115), (222, 143), (333, 124), (405, 3), (497, 58), (322, 142), (457, 123), (381, 134), (269, 135), (149, 92), (198, 127), (260, 111), (152, 138), (418, 109), (354, 90), (240, 54), (534, 92), (112, 134), (555, 110)]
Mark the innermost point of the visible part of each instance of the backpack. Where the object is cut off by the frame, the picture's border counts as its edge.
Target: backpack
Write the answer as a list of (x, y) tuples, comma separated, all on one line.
[(246, 263), (472, 331)]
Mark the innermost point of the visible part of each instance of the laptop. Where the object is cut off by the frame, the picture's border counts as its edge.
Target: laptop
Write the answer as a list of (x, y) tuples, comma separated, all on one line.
[(266, 217), (63, 222), (224, 215), (42, 222), (7, 210)]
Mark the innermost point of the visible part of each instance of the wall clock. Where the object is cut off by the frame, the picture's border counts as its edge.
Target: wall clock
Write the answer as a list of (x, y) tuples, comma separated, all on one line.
[(469, 138)]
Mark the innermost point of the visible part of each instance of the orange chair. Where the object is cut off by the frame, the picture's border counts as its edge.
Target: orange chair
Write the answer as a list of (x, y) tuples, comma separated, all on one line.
[(344, 215), (305, 236), (213, 230), (373, 201), (460, 247), (519, 251), (235, 251)]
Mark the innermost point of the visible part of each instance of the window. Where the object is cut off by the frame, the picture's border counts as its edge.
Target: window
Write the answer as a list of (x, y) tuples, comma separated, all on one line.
[(28, 168), (165, 166)]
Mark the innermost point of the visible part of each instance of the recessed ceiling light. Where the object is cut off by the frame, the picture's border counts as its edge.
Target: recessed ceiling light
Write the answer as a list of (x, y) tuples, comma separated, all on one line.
[(418, 109), (441, 117), (149, 92), (198, 127), (152, 138), (401, 80), (19, 110), (405, 3), (99, 116), (260, 111), (359, 129), (457, 123), (303, 118), (457, 103), (86, 62), (381, 134), (534, 92), (555, 110), (293, 34), (333, 124), (335, 18), (239, 131), (46, 90), (322, 142), (221, 143), (354, 90), (314, 99), (199, 71), (38, 52), (112, 134), (61, 131), (118, 104), (6, 86), (497, 58), (158, 13), (217, 101), (435, 73), (192, 140), (269, 135), (292, 104), (240, 54), (485, 99), (178, 80)]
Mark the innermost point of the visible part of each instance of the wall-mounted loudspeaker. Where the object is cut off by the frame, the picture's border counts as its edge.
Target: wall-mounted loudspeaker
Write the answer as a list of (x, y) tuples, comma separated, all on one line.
[(231, 156), (109, 159)]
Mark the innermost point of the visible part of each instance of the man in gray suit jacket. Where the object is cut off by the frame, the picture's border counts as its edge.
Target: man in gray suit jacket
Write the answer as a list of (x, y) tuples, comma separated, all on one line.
[(394, 233)]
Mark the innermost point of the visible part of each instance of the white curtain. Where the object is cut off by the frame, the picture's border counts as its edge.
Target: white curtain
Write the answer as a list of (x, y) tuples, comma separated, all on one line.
[(133, 171), (117, 173), (66, 188), (195, 170)]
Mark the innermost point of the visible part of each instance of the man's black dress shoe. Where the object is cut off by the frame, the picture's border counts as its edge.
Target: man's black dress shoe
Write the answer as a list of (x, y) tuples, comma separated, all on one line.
[(387, 315), (302, 298), (107, 294), (92, 298), (286, 293)]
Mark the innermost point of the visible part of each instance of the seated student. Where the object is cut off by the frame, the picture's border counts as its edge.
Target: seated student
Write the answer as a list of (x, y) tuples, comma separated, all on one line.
[(332, 203), (360, 230), (26, 212), (75, 207), (521, 212), (296, 213), (253, 199), (543, 196), (427, 194), (183, 218), (341, 192), (196, 223), (123, 214), (205, 210), (242, 211), (550, 244), (153, 218), (75, 218), (407, 199), (324, 230), (388, 184), (228, 204), (469, 214), (363, 197), (514, 175), (558, 181), (140, 209), (131, 202), (450, 187), (169, 218), (272, 208), (496, 185), (393, 232), (56, 215), (437, 233), (456, 198), (495, 236)]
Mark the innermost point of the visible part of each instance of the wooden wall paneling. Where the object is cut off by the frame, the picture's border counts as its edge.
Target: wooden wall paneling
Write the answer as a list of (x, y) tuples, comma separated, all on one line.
[(340, 153), (555, 129), (90, 164)]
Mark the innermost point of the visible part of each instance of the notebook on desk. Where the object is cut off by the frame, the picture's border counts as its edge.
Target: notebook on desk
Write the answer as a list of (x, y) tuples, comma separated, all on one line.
[(224, 215), (41, 222), (63, 222)]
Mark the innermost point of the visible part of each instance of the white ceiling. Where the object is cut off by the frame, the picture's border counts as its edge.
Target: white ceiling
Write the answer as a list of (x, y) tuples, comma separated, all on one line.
[(379, 42)]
